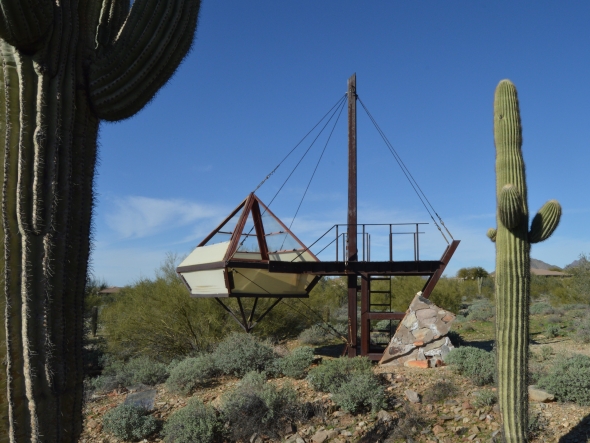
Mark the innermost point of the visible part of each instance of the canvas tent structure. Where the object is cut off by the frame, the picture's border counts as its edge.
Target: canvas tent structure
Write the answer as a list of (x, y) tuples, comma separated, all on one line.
[(233, 261)]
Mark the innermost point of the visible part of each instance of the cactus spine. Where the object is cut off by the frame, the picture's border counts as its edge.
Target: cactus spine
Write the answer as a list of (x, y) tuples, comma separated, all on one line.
[(513, 240), (65, 66)]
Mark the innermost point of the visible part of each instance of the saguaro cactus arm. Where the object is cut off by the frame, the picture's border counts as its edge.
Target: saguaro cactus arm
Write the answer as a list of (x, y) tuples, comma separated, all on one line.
[(492, 234), (545, 222), (153, 41), (23, 23), (510, 207)]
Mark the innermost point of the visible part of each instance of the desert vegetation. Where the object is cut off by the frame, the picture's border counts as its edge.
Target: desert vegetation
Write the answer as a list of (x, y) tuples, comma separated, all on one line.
[(220, 384)]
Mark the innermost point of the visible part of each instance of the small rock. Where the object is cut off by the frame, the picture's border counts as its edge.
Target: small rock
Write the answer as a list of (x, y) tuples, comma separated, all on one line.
[(538, 395), (471, 437), (346, 433), (437, 429), (319, 437), (467, 405), (412, 396), (384, 416), (423, 364), (446, 417)]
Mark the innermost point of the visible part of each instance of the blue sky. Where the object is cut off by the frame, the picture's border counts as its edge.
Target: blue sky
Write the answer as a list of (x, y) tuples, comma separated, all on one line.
[(262, 73)]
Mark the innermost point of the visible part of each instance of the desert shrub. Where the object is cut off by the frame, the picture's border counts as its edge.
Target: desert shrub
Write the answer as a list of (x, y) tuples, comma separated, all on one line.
[(146, 371), (484, 398), (156, 318), (540, 308), (190, 373), (554, 319), (537, 425), (256, 406), (240, 353), (536, 370), (140, 370), (331, 374), (410, 422), (196, 422), (360, 392), (569, 379), (439, 391), (467, 328), (474, 363), (552, 331), (129, 422), (582, 330), (296, 363), (481, 310), (546, 352), (316, 335)]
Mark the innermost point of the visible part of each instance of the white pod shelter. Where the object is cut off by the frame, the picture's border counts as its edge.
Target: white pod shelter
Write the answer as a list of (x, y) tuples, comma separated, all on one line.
[(233, 260)]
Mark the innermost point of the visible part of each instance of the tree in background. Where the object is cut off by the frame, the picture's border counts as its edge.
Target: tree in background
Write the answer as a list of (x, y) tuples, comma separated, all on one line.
[(66, 65), (157, 318), (472, 273)]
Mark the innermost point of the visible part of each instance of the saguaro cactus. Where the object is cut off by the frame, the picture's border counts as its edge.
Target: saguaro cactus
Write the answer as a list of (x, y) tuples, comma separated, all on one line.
[(513, 239), (66, 65)]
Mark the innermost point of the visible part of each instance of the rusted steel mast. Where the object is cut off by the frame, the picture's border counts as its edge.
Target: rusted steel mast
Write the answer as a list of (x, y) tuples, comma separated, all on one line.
[(352, 255)]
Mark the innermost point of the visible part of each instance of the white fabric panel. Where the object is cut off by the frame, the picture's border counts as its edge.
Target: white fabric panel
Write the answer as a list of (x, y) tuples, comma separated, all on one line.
[(206, 254), (206, 283)]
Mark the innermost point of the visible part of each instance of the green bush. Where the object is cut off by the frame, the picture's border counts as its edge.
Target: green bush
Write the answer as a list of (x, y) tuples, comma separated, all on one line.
[(546, 352), (484, 398), (157, 318), (328, 376), (129, 422), (481, 310), (140, 370), (196, 422), (146, 371), (582, 330), (474, 363), (256, 406), (240, 353), (552, 331), (541, 308), (296, 363), (316, 335), (186, 375), (439, 391), (569, 379), (359, 393)]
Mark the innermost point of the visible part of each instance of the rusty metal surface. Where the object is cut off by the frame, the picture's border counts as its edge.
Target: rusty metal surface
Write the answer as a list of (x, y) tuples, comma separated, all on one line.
[(444, 261)]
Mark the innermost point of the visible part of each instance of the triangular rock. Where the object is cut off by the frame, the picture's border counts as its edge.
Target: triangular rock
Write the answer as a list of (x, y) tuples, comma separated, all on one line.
[(421, 335)]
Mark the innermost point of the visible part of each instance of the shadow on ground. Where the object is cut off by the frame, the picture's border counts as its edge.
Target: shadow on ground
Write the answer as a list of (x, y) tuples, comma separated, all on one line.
[(486, 345), (579, 433), (330, 350)]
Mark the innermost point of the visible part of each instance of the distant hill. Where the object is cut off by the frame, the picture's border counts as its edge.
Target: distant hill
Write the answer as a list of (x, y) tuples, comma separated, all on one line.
[(538, 264), (575, 263)]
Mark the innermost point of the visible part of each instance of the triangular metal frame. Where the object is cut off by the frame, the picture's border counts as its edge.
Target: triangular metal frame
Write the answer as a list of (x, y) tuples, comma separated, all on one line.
[(251, 205)]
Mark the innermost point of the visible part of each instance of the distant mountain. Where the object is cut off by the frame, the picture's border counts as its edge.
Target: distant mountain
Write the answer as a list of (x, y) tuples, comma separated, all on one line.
[(538, 264), (575, 263)]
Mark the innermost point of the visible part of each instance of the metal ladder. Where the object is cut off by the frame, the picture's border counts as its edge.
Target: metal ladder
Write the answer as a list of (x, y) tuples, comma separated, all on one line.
[(380, 306)]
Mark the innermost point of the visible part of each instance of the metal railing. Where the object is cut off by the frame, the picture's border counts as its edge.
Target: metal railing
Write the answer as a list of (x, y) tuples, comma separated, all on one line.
[(365, 231)]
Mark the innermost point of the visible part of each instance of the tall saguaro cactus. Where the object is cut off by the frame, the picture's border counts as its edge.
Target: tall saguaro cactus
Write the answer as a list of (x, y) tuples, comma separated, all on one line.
[(513, 239), (66, 65)]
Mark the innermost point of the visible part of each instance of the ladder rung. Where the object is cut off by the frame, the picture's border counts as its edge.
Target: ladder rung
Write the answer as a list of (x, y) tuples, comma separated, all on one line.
[(380, 330), (379, 292), (379, 304), (380, 278)]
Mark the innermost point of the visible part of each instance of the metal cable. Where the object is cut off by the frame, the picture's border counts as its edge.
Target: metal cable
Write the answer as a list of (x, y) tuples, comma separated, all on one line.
[(408, 174), (301, 141), (315, 170)]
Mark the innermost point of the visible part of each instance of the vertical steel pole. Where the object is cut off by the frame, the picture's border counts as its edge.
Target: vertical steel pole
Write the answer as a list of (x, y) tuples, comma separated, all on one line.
[(352, 218)]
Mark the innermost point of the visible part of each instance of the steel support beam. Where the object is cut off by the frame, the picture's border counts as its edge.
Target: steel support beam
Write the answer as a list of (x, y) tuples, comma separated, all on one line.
[(352, 255)]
